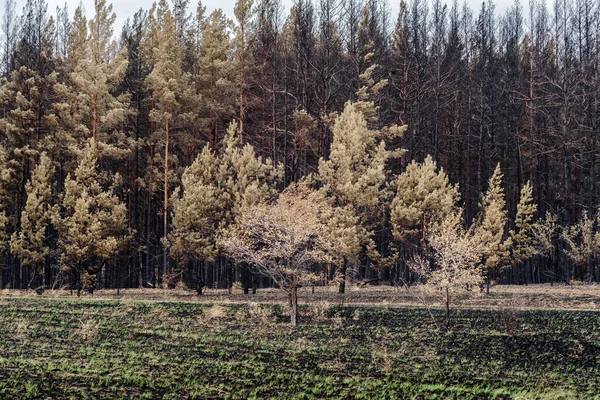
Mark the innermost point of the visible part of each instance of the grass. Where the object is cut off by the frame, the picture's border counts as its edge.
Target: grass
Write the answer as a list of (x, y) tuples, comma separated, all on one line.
[(57, 348)]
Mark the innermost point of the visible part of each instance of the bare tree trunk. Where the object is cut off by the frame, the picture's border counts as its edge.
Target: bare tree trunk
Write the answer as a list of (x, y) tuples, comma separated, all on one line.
[(166, 199), (243, 85), (294, 305), (447, 308), (342, 288)]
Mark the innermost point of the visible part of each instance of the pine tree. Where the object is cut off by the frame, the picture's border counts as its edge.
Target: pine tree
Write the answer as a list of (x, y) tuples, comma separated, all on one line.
[(217, 73), (71, 133), (63, 31), (31, 244), (491, 225), (215, 191), (97, 71), (356, 173), (243, 15), (92, 223), (28, 124), (9, 35), (20, 97), (424, 198), (170, 90), (523, 237)]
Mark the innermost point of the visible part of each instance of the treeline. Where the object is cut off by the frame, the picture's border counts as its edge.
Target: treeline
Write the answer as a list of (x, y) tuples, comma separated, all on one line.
[(119, 160)]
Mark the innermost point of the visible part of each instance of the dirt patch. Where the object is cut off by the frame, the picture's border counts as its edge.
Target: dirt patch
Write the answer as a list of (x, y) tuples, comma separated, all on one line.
[(582, 297)]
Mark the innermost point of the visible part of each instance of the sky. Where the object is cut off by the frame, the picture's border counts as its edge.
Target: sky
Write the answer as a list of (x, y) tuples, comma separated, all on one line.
[(125, 9)]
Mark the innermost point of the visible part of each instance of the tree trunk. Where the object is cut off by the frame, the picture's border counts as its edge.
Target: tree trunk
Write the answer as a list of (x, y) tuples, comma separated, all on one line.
[(243, 83), (342, 288), (245, 277), (447, 308), (166, 199), (294, 306)]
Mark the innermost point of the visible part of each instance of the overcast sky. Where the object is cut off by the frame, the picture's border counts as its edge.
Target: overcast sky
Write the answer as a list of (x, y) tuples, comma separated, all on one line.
[(125, 9)]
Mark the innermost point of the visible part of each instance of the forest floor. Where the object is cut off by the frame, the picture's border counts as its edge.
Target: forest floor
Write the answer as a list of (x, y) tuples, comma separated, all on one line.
[(535, 342)]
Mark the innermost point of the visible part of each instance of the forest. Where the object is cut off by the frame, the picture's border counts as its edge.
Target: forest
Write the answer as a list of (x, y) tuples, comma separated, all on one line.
[(331, 144)]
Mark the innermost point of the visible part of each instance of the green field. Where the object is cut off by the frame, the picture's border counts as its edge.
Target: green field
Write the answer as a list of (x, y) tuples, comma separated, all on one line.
[(65, 348)]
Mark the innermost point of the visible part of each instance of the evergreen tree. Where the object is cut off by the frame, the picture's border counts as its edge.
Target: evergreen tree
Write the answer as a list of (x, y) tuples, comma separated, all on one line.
[(356, 173), (424, 198), (217, 73), (215, 190), (63, 31), (9, 35), (243, 15), (32, 243), (99, 69), (170, 90), (523, 237), (27, 95), (92, 223), (19, 128), (491, 225)]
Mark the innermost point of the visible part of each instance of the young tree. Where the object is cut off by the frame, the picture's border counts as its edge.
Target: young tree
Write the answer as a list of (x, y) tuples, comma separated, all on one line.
[(491, 225), (582, 242), (92, 223), (456, 266), (31, 244), (424, 198), (287, 241), (545, 235), (523, 238)]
